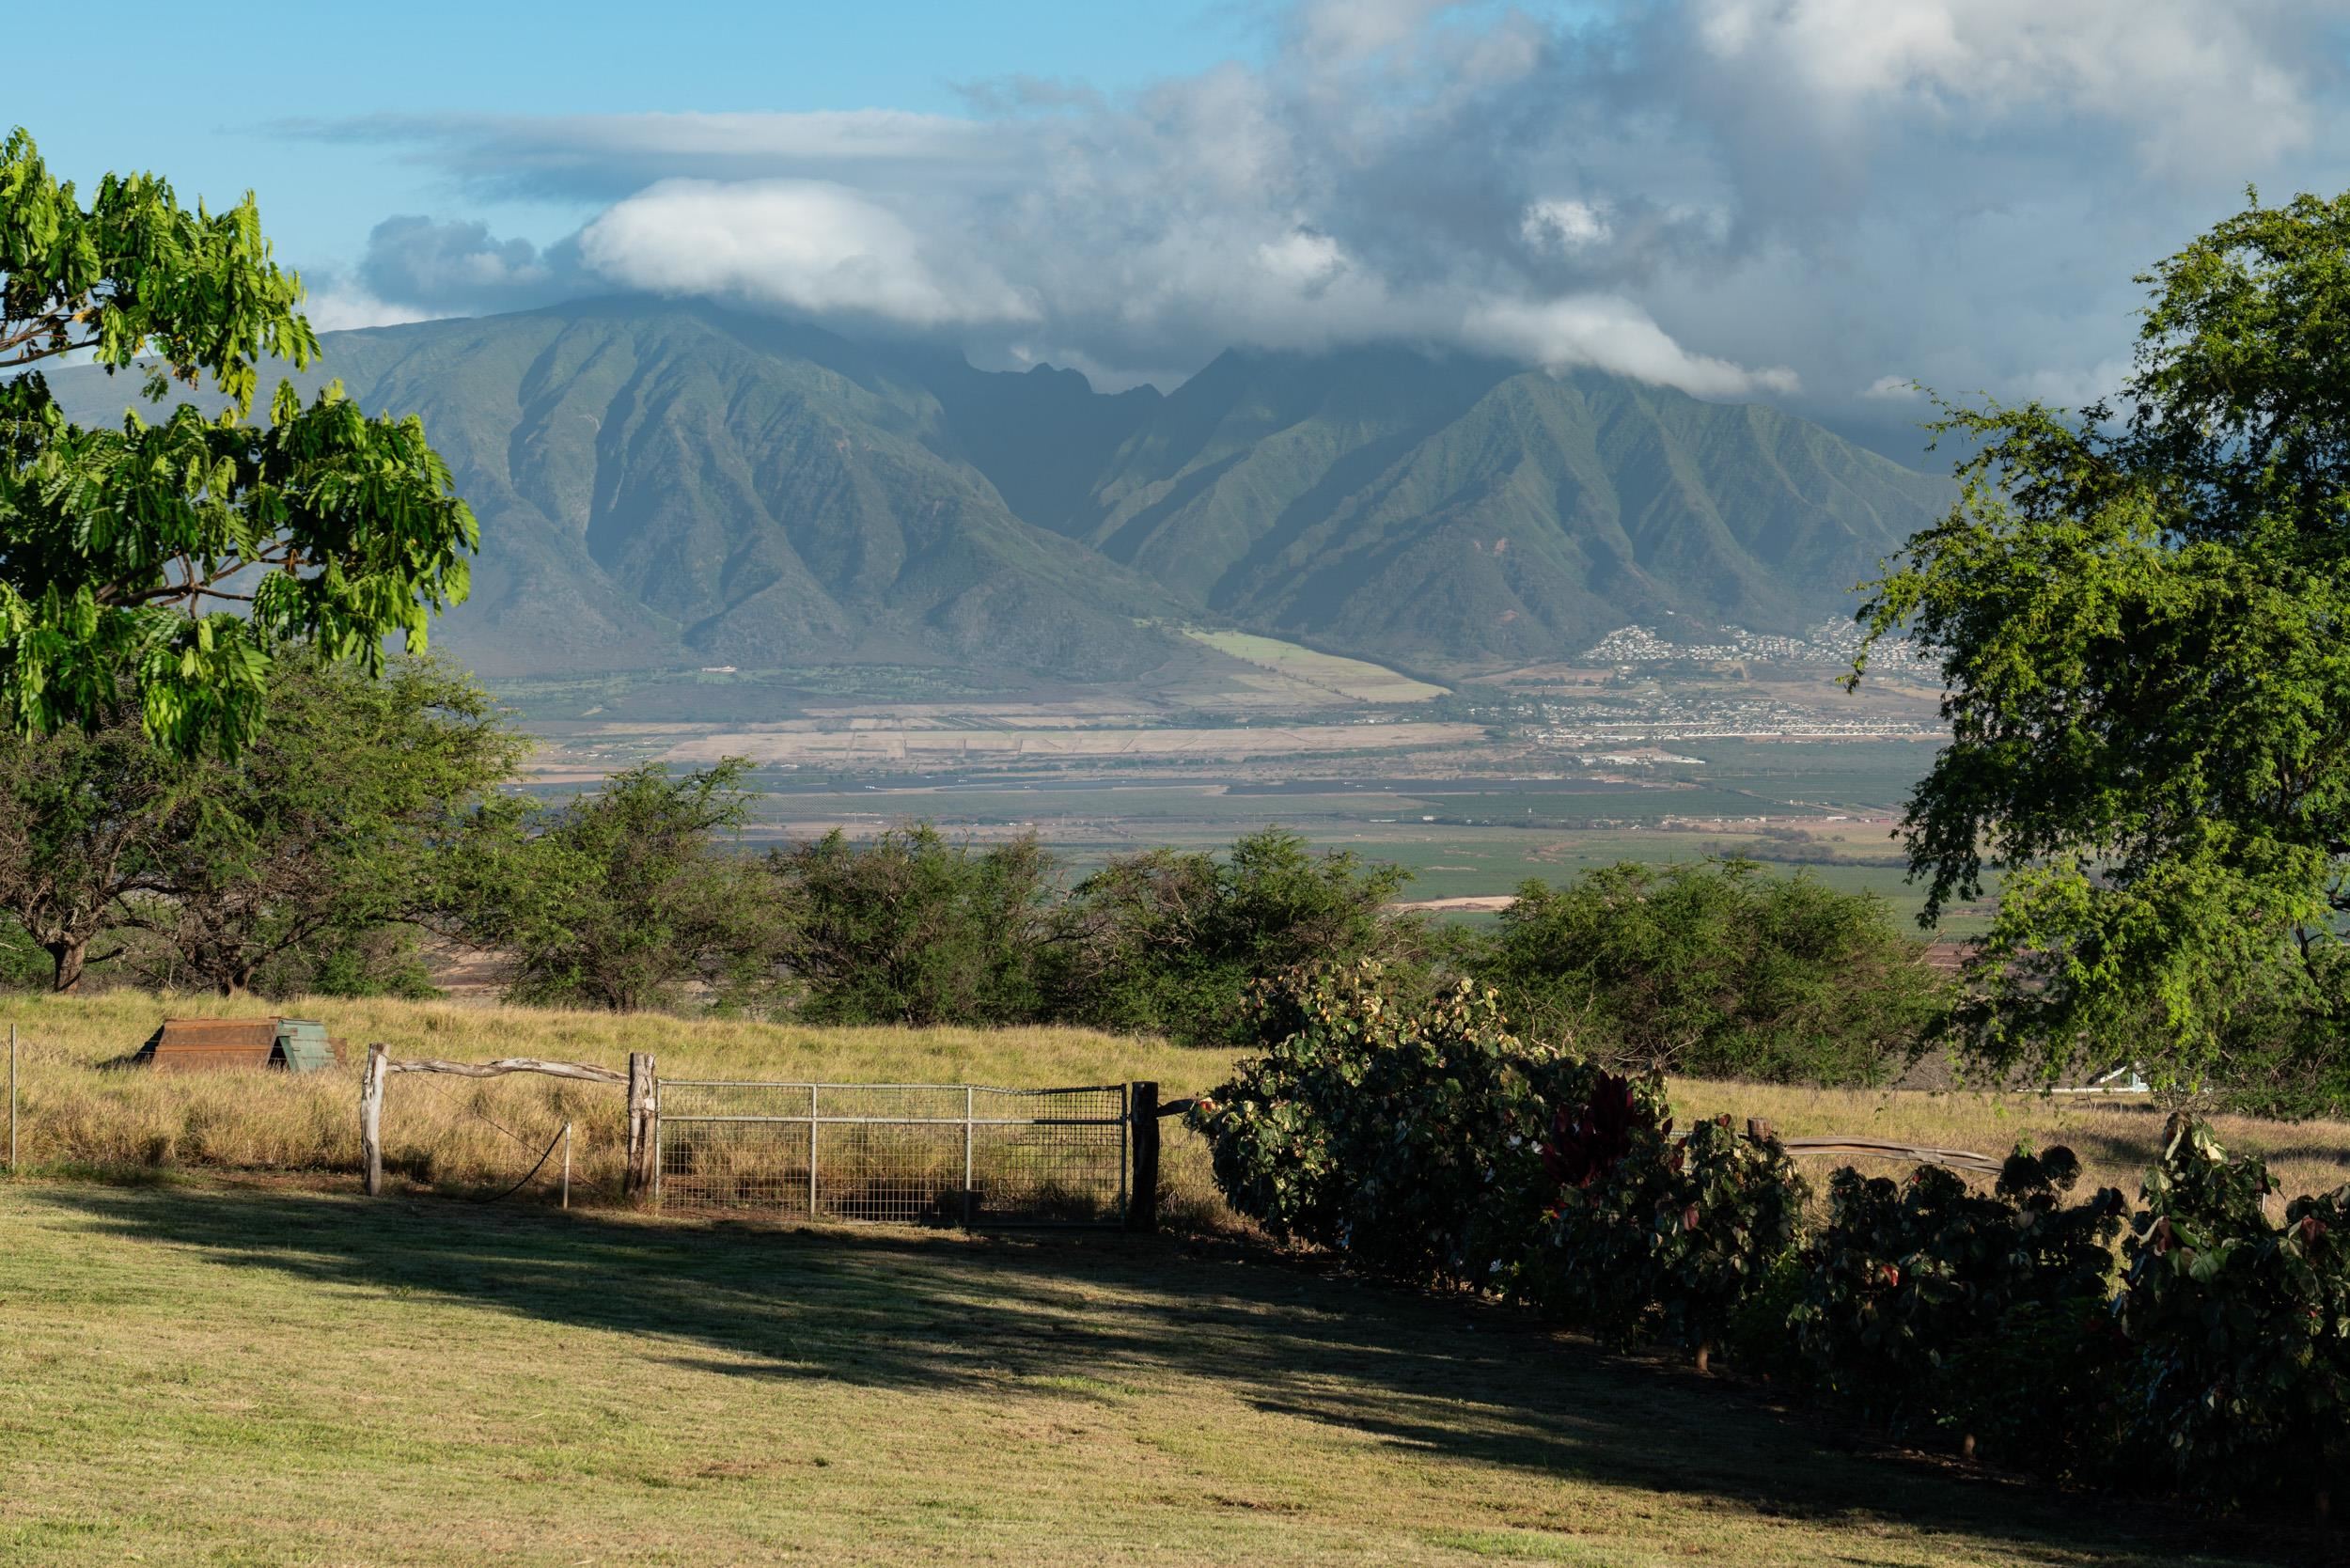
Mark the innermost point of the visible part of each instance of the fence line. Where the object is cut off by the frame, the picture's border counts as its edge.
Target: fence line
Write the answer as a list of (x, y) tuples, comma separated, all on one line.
[(639, 1080), (953, 1154)]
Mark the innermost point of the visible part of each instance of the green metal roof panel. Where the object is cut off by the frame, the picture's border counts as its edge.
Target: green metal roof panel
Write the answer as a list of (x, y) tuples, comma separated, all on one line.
[(301, 1043)]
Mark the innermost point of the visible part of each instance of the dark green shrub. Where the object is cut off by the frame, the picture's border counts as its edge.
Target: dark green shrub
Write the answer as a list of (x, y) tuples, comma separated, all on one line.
[(1653, 1237), (625, 898), (1932, 1303), (1408, 1136), (909, 927), (2238, 1329), (1169, 942), (1715, 970)]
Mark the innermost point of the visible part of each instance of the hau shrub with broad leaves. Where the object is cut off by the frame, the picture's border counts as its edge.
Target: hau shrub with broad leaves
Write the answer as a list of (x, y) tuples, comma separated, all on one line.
[(2238, 1329), (1928, 1302), (1428, 1143), (1647, 1236), (1407, 1137)]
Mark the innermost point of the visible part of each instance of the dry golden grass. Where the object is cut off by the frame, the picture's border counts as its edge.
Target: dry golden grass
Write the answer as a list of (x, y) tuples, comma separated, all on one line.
[(463, 1132), (81, 1111), (2116, 1137)]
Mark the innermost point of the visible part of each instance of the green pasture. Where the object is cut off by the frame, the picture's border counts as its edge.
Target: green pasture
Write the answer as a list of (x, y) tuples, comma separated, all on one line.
[(256, 1374)]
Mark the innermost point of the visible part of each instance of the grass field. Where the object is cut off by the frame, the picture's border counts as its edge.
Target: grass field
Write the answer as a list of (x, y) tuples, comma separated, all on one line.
[(1351, 677), (237, 1374), (462, 1134), (213, 1351)]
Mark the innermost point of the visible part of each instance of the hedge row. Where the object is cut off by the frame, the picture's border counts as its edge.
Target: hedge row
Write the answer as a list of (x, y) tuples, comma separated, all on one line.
[(2190, 1342)]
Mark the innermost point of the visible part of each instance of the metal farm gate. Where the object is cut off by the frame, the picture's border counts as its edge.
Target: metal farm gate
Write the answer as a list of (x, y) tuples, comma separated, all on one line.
[(938, 1154)]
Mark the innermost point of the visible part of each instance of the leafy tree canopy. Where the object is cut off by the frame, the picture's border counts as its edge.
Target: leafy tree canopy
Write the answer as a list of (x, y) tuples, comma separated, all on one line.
[(910, 927), (2140, 612), (1714, 969), (177, 556), (333, 827), (1171, 940), (623, 897)]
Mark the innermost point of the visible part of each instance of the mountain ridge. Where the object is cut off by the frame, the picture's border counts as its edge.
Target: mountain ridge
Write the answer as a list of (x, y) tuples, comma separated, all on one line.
[(664, 484)]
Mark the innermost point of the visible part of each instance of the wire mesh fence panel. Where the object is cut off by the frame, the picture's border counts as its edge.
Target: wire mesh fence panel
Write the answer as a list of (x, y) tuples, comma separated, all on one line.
[(934, 1153), (734, 1146), (1056, 1157)]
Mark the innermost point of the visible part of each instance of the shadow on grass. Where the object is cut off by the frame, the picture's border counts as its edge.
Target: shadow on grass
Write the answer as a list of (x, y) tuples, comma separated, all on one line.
[(1449, 1377)]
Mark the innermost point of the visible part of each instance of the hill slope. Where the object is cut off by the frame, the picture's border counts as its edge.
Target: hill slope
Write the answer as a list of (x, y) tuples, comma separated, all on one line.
[(1461, 512), (664, 484)]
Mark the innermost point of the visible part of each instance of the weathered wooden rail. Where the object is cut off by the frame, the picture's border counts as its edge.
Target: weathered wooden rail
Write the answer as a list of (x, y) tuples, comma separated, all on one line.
[(1913, 1154), (639, 1080), (1855, 1148)]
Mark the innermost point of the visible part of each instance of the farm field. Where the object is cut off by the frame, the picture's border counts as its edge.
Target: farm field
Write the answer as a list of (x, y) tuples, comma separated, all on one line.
[(945, 746), (1355, 679), (232, 1373)]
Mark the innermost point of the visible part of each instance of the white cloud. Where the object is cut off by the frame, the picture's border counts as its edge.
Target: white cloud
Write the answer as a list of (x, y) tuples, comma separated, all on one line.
[(1709, 194), (804, 245), (1892, 389), (1611, 335), (2200, 85), (342, 307), (1301, 259), (1565, 226), (2073, 385), (1343, 32)]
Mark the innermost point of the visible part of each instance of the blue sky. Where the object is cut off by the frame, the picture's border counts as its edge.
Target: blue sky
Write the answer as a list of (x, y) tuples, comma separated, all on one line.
[(1807, 202), (328, 62)]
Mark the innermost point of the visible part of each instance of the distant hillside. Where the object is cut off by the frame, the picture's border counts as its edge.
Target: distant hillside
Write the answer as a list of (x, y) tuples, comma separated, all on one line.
[(664, 484)]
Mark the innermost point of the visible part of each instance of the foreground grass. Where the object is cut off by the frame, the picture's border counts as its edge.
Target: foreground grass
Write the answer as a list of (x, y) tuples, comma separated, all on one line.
[(200, 1374), (456, 1133)]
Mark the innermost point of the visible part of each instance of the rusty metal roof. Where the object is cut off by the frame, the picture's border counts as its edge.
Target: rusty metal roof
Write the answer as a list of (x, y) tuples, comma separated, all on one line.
[(215, 1034), (299, 1044)]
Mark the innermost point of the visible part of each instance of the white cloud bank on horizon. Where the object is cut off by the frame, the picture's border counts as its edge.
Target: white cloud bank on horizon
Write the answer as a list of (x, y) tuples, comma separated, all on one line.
[(1735, 197)]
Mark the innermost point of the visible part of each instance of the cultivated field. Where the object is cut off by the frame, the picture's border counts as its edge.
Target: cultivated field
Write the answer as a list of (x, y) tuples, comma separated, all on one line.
[(866, 745), (1348, 678)]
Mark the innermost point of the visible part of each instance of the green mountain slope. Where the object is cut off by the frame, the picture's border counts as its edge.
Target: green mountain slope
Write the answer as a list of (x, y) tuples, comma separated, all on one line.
[(1460, 512), (664, 484)]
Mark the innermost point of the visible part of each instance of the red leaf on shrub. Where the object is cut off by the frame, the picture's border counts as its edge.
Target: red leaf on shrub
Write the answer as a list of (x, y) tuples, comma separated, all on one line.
[(1689, 1217), (1893, 1275), (2159, 1237), (1588, 1142)]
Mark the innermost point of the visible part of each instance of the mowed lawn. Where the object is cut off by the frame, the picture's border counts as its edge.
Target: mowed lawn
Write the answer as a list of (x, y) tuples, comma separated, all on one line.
[(219, 1370)]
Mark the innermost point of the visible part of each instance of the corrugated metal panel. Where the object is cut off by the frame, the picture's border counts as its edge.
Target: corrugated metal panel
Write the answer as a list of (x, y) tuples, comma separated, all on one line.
[(194, 1044), (303, 1045)]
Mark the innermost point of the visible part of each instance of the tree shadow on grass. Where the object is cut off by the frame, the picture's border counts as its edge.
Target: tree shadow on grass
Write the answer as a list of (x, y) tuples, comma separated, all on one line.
[(1447, 1376)]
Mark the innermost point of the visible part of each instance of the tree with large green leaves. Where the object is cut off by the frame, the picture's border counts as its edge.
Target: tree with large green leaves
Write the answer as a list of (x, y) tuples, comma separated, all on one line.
[(2141, 613), (174, 558)]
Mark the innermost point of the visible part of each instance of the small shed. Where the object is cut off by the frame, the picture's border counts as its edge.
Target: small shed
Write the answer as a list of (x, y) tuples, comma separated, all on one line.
[(201, 1044)]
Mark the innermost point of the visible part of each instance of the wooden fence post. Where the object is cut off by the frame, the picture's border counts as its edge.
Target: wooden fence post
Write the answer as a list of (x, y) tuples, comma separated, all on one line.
[(372, 1120), (644, 1112), (1142, 1192)]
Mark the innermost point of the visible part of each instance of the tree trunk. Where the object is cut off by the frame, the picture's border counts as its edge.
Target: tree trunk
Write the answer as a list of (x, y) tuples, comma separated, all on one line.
[(70, 957)]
